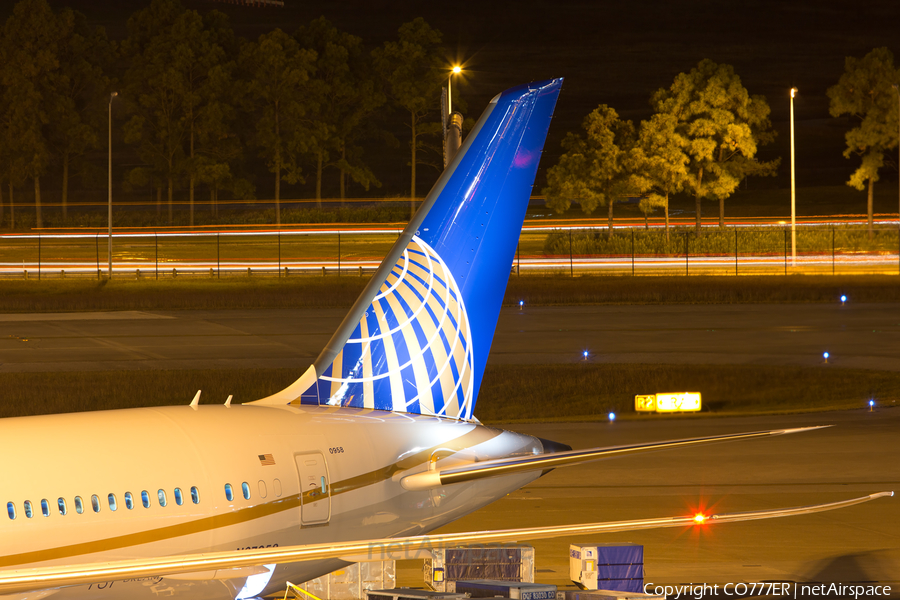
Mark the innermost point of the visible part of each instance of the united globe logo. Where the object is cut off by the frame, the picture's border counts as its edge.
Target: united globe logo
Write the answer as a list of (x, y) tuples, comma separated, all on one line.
[(412, 349)]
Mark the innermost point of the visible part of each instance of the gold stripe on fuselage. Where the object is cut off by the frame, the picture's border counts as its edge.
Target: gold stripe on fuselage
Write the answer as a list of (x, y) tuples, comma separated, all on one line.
[(243, 515)]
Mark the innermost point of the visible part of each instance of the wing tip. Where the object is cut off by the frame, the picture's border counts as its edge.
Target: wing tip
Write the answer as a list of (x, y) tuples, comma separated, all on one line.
[(799, 429)]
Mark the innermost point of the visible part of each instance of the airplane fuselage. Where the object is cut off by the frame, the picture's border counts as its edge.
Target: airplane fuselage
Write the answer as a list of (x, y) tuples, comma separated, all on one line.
[(93, 487)]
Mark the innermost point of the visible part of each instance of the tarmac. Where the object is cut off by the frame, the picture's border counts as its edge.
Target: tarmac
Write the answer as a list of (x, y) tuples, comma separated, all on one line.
[(858, 456), (865, 336)]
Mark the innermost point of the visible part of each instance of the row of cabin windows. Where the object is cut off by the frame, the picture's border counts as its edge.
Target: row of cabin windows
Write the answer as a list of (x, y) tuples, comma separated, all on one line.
[(129, 498), (161, 497)]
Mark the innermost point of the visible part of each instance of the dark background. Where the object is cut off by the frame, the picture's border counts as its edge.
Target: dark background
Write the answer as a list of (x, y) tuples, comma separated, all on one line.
[(617, 53)]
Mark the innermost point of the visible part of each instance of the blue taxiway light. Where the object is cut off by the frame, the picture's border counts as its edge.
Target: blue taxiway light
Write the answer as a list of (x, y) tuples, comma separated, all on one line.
[(585, 353), (612, 416), (521, 303), (843, 299), (826, 355)]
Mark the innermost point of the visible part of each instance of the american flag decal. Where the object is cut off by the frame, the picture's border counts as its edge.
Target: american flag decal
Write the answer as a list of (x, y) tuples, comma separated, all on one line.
[(266, 460)]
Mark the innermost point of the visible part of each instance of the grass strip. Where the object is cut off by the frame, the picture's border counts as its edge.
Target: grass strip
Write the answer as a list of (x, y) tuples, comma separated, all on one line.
[(510, 393), (580, 392), (341, 292), (178, 294)]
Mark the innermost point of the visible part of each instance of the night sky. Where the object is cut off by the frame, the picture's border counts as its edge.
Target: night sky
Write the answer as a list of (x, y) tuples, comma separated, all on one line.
[(616, 53)]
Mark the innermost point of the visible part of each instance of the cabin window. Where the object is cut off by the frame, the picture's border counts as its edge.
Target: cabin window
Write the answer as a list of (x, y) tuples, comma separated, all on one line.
[(229, 493), (45, 507), (112, 502), (161, 494), (129, 501), (95, 503), (145, 499), (62, 506), (79, 505), (11, 509), (179, 498), (28, 512), (195, 495), (245, 488)]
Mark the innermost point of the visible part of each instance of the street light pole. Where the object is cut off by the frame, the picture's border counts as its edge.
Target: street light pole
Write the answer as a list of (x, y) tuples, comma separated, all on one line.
[(454, 71), (793, 190), (109, 236), (897, 89)]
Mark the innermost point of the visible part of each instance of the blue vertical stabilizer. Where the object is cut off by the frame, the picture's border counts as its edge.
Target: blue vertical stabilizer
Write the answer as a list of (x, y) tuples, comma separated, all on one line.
[(417, 339)]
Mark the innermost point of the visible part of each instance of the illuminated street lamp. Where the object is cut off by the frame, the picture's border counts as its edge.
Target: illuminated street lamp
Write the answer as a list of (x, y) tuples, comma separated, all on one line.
[(454, 71), (109, 238), (793, 192)]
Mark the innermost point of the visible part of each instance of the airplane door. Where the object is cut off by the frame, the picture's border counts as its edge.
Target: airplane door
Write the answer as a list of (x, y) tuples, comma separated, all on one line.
[(315, 489)]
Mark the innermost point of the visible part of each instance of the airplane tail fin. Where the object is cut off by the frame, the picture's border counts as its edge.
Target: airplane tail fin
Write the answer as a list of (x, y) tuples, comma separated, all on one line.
[(418, 337)]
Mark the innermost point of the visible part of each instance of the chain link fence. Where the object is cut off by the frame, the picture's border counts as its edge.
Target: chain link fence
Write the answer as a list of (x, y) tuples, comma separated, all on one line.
[(844, 249)]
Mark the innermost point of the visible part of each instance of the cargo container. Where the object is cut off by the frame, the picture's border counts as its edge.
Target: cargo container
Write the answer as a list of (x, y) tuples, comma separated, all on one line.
[(503, 563), (352, 581), (607, 567)]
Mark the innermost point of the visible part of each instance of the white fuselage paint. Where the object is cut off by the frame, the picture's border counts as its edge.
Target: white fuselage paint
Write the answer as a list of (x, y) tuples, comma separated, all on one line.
[(152, 449)]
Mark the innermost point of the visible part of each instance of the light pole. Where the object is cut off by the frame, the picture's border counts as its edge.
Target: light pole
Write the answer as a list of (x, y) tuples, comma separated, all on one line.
[(109, 237), (454, 71), (897, 89), (793, 190)]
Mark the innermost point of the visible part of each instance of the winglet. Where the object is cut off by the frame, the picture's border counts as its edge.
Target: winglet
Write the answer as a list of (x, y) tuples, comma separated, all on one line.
[(228, 400), (196, 401), (800, 429)]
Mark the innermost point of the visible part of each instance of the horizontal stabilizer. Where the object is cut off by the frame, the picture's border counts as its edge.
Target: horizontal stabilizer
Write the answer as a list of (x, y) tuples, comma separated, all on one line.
[(517, 464), (69, 575)]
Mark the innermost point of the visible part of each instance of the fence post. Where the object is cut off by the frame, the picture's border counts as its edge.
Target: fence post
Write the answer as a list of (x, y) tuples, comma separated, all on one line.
[(97, 245), (686, 266), (571, 266), (339, 253), (518, 261), (156, 252), (279, 253), (832, 249), (735, 253), (785, 251), (39, 257), (632, 251), (218, 259)]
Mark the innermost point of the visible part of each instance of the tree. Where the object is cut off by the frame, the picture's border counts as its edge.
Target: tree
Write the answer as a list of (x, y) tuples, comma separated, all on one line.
[(864, 92), (219, 147), (29, 55), (278, 92), (413, 71), (172, 53), (155, 94), (723, 125), (348, 100), (78, 93), (660, 163), (595, 169)]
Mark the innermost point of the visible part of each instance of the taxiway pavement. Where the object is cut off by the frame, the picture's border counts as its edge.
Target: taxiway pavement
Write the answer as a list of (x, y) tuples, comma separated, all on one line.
[(861, 336), (858, 456)]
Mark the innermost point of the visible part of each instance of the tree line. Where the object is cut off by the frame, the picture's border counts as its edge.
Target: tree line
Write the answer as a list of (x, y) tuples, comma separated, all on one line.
[(703, 139), (198, 102)]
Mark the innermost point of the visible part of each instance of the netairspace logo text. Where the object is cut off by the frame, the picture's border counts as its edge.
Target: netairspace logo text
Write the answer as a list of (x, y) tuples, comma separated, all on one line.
[(786, 589)]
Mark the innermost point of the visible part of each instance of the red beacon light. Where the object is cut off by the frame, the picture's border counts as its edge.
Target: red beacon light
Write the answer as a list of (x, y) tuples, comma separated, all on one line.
[(699, 518)]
